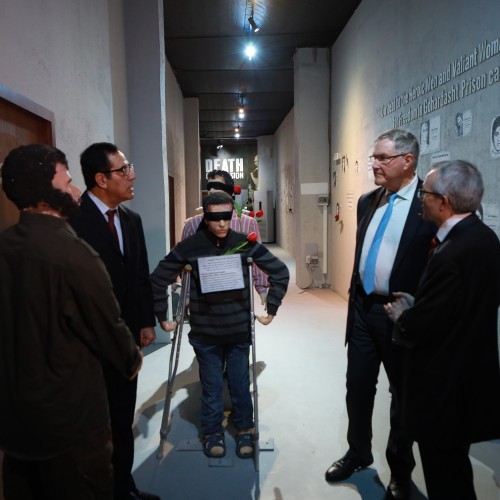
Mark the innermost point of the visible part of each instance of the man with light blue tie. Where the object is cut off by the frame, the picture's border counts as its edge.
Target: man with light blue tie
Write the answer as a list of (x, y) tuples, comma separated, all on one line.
[(392, 247)]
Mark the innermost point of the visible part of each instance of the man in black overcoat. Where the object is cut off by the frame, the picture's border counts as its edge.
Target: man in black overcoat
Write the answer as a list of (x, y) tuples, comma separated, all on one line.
[(451, 385)]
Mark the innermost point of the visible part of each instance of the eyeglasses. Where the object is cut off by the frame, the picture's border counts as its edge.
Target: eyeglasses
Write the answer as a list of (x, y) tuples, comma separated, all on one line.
[(385, 160), (125, 170), (422, 192)]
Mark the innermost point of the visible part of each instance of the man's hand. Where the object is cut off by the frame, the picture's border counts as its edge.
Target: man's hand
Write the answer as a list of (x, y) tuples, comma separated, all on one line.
[(168, 326), (265, 320), (148, 336), (403, 302)]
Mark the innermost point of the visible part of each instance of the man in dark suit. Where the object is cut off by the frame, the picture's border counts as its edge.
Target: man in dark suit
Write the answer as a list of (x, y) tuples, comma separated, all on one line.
[(118, 237), (392, 245), (451, 389)]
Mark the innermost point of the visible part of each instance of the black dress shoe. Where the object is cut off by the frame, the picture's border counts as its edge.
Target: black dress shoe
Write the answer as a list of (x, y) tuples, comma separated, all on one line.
[(399, 489), (344, 468), (142, 495)]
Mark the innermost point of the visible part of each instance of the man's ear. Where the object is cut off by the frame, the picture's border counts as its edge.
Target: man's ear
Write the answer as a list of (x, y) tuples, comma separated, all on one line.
[(409, 161), (445, 203), (101, 180)]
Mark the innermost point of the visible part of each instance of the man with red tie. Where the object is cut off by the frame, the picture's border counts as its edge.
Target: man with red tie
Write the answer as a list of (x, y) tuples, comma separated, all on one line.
[(451, 388), (116, 233)]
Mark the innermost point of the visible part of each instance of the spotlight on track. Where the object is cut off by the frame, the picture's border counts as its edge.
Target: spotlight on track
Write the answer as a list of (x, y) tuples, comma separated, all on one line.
[(253, 24)]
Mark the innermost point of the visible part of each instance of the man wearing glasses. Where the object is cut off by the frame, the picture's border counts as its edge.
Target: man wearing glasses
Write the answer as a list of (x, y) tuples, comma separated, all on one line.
[(392, 247), (451, 383), (116, 233)]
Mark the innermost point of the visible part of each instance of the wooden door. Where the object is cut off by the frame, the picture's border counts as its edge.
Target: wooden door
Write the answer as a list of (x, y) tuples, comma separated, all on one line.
[(18, 126)]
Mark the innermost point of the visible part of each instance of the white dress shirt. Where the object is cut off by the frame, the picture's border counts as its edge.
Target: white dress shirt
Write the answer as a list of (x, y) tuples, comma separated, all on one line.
[(392, 236)]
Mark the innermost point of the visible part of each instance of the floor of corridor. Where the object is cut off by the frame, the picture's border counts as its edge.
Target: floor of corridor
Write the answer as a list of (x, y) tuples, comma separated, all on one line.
[(301, 364)]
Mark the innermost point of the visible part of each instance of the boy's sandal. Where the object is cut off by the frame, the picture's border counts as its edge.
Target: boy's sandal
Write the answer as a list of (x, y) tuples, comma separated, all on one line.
[(244, 445), (214, 445)]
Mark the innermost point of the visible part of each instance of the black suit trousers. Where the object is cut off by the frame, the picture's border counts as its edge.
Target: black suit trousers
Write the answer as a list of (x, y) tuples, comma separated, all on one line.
[(122, 395), (370, 345), (447, 470)]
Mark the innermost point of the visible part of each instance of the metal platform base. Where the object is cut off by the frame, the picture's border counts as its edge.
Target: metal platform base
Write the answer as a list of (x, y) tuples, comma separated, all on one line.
[(226, 461)]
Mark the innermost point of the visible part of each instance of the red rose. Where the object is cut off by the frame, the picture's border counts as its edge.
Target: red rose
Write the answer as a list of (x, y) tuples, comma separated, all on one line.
[(251, 214), (252, 237), (260, 213), (237, 190)]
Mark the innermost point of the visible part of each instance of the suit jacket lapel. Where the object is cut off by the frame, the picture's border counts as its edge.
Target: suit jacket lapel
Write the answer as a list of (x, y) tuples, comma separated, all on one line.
[(126, 230), (372, 205), (459, 226), (413, 220)]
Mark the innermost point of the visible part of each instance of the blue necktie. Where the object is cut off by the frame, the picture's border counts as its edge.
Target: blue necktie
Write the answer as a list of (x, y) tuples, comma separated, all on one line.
[(371, 259)]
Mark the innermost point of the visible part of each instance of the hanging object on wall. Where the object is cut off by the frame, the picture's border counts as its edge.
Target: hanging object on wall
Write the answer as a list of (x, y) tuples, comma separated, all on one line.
[(337, 213)]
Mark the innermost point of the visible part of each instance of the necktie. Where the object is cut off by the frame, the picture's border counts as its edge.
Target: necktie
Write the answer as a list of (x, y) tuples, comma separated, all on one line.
[(434, 244), (371, 259), (111, 223)]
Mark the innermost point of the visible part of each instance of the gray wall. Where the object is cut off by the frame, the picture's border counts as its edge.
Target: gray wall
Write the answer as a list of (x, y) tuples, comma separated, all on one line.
[(146, 77), (284, 160), (311, 85), (175, 148), (192, 154), (302, 163), (389, 48), (68, 56)]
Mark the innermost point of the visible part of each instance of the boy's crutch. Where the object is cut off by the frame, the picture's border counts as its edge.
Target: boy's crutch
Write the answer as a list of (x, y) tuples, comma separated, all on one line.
[(176, 347), (254, 368)]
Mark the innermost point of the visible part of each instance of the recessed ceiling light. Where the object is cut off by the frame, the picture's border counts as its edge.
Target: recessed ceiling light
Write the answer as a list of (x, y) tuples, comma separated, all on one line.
[(250, 51)]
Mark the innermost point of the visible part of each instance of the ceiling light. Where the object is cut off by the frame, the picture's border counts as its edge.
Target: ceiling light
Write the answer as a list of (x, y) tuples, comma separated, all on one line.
[(219, 144), (241, 107), (253, 24), (237, 135), (250, 51), (237, 128)]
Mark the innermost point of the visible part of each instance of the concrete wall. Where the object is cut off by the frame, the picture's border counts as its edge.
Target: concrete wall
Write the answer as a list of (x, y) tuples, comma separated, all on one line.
[(68, 57), (284, 161), (389, 49), (71, 58), (146, 78), (192, 154), (267, 175), (175, 148), (398, 63), (311, 86), (118, 66)]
